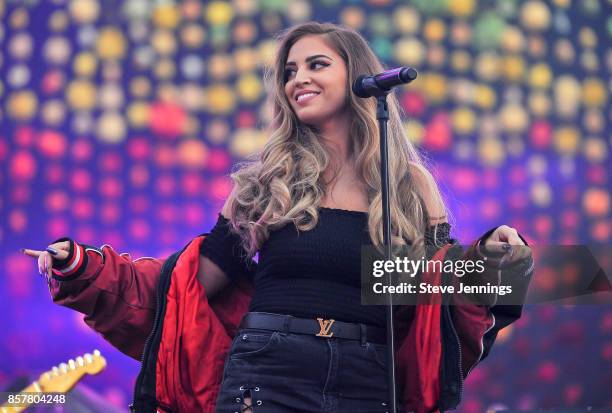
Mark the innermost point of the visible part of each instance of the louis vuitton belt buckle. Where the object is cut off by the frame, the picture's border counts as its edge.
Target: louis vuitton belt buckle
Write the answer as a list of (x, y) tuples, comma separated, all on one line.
[(325, 327)]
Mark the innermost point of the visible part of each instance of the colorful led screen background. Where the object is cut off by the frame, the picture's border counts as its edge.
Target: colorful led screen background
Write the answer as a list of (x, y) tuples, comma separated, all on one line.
[(122, 119)]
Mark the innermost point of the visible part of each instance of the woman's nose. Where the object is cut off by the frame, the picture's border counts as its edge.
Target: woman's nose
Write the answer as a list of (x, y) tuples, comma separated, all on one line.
[(301, 79)]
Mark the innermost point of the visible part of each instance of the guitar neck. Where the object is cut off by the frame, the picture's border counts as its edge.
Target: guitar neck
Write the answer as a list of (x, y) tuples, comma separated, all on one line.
[(34, 387)]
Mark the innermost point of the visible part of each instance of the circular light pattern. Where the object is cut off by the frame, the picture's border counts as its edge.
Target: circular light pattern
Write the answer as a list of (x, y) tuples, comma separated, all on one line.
[(539, 103), (595, 149), (53, 112), (138, 114), (19, 18), (137, 9), (56, 50), (193, 36), (594, 93), (535, 15), (540, 76), (164, 42), (192, 67), (192, 153), (111, 127), (514, 118), (217, 131), (164, 69), (192, 97), (249, 88), (462, 8), (512, 40), (140, 87), (299, 11), (267, 52), (220, 99), (488, 30), (566, 139), (596, 202), (246, 59), (110, 44), (85, 64), (246, 142), (58, 21), (461, 33), (139, 30), (220, 66), (408, 51), (167, 119), (84, 11), (81, 95), (244, 32), (82, 123), (491, 151), (143, 57), (541, 193), (22, 105), (434, 86), (166, 15), (353, 17), (20, 46), (464, 120), (18, 76), (434, 30), (87, 36), (488, 66), (461, 61), (219, 13), (110, 96)]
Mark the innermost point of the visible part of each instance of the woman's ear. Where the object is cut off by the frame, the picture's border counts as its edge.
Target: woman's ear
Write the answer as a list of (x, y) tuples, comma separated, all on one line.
[(428, 190)]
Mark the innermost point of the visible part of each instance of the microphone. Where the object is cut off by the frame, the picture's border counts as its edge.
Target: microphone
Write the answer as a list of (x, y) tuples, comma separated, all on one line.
[(380, 84)]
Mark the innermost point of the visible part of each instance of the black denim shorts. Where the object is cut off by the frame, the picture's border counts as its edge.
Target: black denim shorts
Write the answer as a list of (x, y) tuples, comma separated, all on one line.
[(298, 373)]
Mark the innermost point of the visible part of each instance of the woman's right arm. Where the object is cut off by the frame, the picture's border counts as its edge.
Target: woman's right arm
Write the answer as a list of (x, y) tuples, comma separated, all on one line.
[(115, 293), (221, 258)]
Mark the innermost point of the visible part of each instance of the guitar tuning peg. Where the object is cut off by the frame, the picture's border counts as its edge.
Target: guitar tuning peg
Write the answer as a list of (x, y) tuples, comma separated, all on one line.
[(63, 367), (96, 353), (47, 376), (88, 358), (80, 361), (55, 371), (72, 364)]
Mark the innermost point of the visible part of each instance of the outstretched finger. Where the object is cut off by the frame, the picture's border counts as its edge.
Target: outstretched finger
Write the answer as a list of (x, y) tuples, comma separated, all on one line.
[(42, 263), (31, 253)]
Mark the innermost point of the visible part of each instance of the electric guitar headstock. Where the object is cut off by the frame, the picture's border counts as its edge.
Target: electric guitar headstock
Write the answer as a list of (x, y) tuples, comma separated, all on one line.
[(65, 376)]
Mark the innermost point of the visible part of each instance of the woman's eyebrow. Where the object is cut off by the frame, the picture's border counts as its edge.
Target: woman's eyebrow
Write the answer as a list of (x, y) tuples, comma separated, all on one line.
[(309, 58)]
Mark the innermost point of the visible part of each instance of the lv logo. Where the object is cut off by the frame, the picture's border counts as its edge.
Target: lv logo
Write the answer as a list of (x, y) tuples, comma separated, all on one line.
[(325, 326)]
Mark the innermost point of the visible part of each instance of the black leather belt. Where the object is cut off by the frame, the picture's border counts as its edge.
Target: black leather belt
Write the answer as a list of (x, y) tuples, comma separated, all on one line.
[(319, 327)]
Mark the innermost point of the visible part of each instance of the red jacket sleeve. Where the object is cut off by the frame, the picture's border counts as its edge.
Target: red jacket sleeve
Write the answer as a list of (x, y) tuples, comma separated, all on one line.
[(477, 325), (116, 294)]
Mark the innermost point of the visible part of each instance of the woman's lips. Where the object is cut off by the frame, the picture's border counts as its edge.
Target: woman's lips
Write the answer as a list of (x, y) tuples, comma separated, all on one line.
[(307, 99)]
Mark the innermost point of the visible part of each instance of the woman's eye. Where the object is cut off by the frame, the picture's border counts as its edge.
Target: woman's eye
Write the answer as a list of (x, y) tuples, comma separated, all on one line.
[(318, 63), (288, 72)]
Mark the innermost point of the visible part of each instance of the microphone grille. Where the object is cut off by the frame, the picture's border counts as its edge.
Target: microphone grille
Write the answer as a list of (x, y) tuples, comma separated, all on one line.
[(358, 87)]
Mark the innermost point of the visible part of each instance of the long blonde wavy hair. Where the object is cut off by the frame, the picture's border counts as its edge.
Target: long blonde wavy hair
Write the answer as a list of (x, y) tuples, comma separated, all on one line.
[(284, 184)]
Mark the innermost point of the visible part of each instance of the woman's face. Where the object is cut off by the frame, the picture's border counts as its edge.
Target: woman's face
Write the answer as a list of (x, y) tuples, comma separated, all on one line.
[(315, 81)]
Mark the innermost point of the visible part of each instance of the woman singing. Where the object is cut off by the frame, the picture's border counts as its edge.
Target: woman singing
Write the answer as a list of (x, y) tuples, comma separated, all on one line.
[(218, 332)]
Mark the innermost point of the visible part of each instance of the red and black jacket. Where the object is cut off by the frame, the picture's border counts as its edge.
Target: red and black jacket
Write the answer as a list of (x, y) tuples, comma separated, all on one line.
[(157, 311)]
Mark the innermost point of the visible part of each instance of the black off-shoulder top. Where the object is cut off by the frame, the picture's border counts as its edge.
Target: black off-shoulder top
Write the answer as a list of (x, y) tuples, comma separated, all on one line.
[(307, 274)]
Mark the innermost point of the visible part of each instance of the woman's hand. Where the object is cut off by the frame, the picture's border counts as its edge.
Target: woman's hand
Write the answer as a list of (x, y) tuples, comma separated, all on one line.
[(58, 251), (506, 243)]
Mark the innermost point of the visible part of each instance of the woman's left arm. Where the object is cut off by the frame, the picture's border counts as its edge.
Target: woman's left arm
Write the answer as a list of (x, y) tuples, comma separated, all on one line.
[(508, 256)]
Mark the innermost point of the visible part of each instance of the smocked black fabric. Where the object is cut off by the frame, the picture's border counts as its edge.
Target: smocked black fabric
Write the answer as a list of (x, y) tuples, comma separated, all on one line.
[(308, 274)]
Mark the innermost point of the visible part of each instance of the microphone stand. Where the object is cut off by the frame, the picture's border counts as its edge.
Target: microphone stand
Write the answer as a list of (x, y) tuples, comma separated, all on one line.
[(382, 114), (380, 86)]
